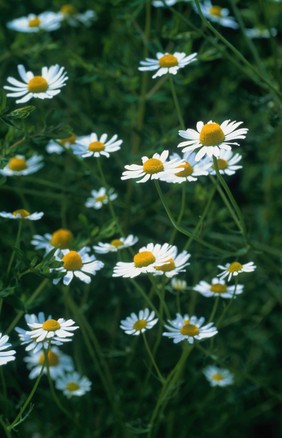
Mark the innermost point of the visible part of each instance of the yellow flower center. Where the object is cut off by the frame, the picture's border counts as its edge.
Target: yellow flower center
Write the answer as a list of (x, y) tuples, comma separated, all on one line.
[(51, 325), (61, 238), (21, 212), (217, 377), (168, 61), (71, 139), (234, 267), (96, 146), (211, 134), (17, 164), (140, 324), (72, 386), (218, 288), (52, 358), (68, 10), (144, 258), (37, 84), (166, 267), (101, 198), (187, 170), (216, 10), (34, 22), (222, 164), (117, 243), (72, 261), (189, 330), (153, 165)]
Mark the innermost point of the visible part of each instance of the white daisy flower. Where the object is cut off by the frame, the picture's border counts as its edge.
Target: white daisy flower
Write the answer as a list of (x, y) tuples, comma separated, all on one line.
[(174, 263), (61, 238), (167, 63), (212, 137), (59, 146), (260, 32), (164, 3), (217, 14), (19, 165), (100, 197), (136, 324), (6, 356), (76, 264), (22, 214), (115, 245), (218, 376), (51, 329), (227, 163), (178, 285), (73, 384), (189, 169), (58, 362), (152, 168), (45, 86), (92, 146), (71, 16), (145, 261), (218, 288), (185, 328), (46, 21), (235, 268)]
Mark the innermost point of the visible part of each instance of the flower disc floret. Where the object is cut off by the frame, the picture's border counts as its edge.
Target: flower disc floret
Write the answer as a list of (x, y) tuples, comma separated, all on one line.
[(153, 165), (34, 22), (72, 261), (211, 134), (51, 325), (17, 164), (96, 146), (61, 238), (144, 258), (189, 330), (23, 213), (215, 10), (168, 60), (37, 84)]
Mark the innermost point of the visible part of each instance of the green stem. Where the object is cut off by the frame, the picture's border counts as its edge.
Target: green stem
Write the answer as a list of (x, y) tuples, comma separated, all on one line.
[(228, 306), (214, 309), (7, 432), (145, 296), (16, 246), (176, 103), (162, 380)]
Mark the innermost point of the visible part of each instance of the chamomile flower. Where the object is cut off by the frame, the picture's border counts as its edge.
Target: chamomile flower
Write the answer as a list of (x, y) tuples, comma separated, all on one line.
[(59, 146), (185, 328), (217, 14), (151, 168), (71, 16), (164, 3), (76, 264), (174, 264), (218, 288), (19, 165), (73, 384), (145, 261), (218, 376), (211, 138), (260, 32), (167, 63), (100, 197), (45, 86), (116, 244), (178, 285), (61, 238), (92, 146), (136, 324), (235, 268), (22, 214), (24, 336), (8, 355), (189, 169), (46, 21), (59, 330), (227, 163), (58, 363)]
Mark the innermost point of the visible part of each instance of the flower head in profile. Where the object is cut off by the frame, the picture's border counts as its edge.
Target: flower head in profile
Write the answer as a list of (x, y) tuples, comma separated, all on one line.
[(6, 355), (21, 166), (218, 376), (115, 244), (73, 384), (189, 169), (136, 324), (163, 3), (156, 167), (167, 63), (217, 14), (100, 197), (58, 363), (60, 145), (22, 214), (44, 86), (218, 288), (235, 268), (185, 328), (76, 264), (61, 239), (92, 146), (46, 21), (211, 138), (71, 16), (227, 163), (261, 32), (178, 285), (145, 261)]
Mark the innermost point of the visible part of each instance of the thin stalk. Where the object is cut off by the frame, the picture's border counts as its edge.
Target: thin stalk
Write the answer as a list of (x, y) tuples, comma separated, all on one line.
[(16, 246), (7, 432), (144, 295), (162, 380), (214, 309), (176, 103), (228, 306)]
